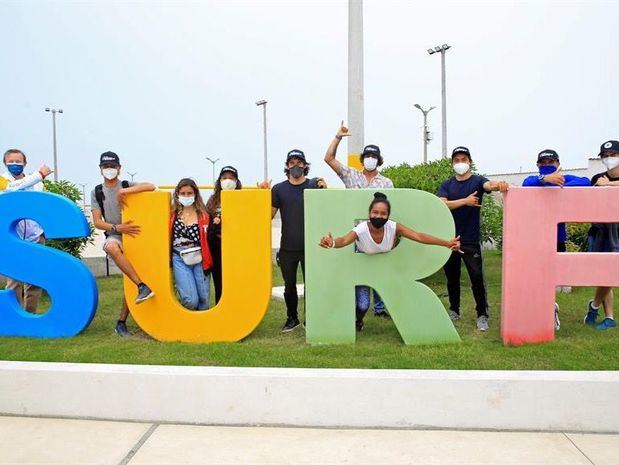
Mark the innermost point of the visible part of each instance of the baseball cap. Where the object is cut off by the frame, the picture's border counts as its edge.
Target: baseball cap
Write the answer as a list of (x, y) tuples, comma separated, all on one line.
[(296, 153), (371, 150), (109, 158), (548, 153), (461, 149), (611, 146), (229, 169)]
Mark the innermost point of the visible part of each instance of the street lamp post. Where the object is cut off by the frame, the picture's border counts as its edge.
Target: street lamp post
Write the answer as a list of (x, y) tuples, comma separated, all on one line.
[(442, 49), (53, 111), (132, 175), (83, 196), (426, 133), (263, 104), (213, 163)]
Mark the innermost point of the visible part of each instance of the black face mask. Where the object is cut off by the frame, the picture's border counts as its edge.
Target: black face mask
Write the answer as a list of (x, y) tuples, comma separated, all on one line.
[(296, 172), (378, 222)]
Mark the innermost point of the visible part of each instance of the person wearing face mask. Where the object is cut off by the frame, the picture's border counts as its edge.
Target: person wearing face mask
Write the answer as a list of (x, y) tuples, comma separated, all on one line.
[(14, 179), (379, 234), (550, 174), (604, 237), (371, 159), (191, 256), (463, 196), (106, 202), (287, 197), (228, 180)]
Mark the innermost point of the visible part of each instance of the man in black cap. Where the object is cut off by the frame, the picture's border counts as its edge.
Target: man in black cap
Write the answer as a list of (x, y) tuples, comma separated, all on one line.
[(106, 203), (463, 196), (550, 174), (287, 196), (604, 237)]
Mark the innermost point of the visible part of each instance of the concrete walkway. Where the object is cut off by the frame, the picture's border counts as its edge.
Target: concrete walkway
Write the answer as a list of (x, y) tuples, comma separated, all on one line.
[(79, 442)]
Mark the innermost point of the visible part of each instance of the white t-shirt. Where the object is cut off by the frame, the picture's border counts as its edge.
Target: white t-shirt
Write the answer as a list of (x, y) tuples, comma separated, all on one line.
[(366, 244)]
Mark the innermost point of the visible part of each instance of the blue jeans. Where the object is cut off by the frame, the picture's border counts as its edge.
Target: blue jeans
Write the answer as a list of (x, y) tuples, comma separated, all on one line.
[(379, 305), (193, 286), (362, 299)]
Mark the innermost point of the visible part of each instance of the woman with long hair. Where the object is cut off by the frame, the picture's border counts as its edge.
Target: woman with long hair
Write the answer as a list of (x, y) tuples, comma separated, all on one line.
[(191, 257), (228, 180), (379, 234)]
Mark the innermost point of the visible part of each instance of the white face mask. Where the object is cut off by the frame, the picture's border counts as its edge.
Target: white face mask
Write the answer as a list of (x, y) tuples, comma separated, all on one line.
[(187, 201), (370, 163), (610, 162), (461, 168), (228, 184), (110, 173)]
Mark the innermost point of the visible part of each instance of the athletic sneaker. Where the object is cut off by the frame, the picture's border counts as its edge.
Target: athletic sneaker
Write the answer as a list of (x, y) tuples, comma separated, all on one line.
[(607, 323), (482, 323), (592, 314), (121, 329), (144, 293), (291, 323), (455, 316), (557, 321)]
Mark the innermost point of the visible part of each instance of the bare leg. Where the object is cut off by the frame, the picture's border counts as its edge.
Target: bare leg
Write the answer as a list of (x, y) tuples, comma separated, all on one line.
[(608, 304), (116, 254)]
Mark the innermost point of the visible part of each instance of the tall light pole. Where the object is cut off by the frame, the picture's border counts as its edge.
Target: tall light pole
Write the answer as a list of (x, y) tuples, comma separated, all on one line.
[(355, 81), (442, 49), (213, 163), (83, 195), (426, 133), (53, 112), (132, 175), (263, 104)]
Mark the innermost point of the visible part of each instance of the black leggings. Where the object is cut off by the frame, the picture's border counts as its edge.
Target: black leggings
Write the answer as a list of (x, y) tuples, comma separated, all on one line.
[(289, 261), (214, 245)]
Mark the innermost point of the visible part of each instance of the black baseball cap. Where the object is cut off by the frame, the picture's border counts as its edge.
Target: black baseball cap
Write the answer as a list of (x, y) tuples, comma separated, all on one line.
[(371, 150), (296, 153), (461, 149), (109, 158), (229, 169), (548, 153), (611, 146)]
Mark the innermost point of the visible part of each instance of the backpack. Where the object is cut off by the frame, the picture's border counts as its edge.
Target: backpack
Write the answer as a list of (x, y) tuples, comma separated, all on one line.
[(100, 196)]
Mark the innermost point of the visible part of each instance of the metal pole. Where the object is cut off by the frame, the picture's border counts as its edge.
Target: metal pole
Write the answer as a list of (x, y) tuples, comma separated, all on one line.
[(444, 102), (355, 79), (425, 137), (213, 163), (83, 196), (264, 125), (55, 148)]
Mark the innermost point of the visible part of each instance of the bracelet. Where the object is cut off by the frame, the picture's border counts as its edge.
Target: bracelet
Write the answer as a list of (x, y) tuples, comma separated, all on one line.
[(338, 137), (333, 245)]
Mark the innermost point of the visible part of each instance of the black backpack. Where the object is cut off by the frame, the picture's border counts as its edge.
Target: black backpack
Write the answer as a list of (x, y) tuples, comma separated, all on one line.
[(100, 196)]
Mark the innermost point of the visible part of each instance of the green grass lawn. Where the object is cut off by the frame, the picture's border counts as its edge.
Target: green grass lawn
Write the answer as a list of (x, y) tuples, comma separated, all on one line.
[(577, 347)]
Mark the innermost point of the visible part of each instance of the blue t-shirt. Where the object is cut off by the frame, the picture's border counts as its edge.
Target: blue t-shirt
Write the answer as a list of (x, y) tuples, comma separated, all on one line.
[(467, 218), (570, 180)]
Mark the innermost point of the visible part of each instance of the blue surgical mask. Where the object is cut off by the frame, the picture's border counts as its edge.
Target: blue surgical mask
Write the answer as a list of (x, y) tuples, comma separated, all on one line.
[(545, 170), (16, 169)]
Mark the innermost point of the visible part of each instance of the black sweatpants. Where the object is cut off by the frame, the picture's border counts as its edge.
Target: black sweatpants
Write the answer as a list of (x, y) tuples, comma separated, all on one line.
[(474, 266), (289, 261)]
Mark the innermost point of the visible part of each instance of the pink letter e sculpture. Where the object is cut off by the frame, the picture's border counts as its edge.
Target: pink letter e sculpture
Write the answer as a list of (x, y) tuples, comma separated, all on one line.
[(531, 265)]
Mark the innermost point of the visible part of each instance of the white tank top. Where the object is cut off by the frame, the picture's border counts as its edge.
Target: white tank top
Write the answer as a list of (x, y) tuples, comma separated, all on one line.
[(366, 244)]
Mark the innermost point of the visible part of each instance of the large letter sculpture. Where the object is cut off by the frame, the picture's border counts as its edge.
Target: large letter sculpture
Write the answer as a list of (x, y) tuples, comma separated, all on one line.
[(531, 265), (333, 273), (246, 256), (69, 283)]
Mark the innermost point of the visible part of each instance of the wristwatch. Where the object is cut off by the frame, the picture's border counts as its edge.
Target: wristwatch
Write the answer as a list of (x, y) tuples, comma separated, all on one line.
[(541, 177), (114, 230)]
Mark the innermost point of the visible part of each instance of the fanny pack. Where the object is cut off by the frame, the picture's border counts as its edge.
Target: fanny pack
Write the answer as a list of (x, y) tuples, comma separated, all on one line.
[(191, 256)]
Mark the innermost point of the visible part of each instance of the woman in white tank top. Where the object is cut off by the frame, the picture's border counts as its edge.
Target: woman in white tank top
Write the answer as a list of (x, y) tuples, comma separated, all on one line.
[(379, 235)]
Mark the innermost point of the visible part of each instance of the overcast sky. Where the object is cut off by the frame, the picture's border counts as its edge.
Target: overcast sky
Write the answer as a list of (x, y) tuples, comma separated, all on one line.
[(165, 84)]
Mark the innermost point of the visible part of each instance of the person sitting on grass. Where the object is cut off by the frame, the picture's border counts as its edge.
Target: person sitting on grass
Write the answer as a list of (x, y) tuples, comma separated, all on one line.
[(191, 256), (379, 234)]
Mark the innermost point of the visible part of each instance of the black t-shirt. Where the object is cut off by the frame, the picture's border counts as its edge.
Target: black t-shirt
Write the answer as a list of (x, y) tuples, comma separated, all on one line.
[(594, 229), (467, 218), (288, 198)]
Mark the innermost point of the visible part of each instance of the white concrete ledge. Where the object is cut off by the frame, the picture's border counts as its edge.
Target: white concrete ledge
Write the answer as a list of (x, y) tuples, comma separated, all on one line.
[(490, 400)]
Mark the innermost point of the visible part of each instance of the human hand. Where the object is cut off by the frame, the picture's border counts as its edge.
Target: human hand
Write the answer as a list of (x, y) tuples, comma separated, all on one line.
[(555, 178), (45, 171), (454, 244), (321, 183), (121, 196), (502, 186), (128, 228), (472, 200), (216, 220), (264, 184), (602, 181), (342, 131), (327, 241)]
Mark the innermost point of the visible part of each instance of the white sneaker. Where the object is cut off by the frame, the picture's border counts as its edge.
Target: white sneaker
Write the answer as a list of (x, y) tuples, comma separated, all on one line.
[(482, 323)]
